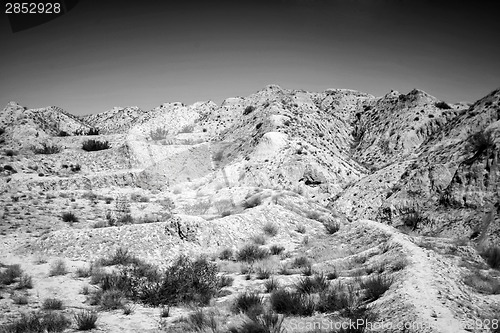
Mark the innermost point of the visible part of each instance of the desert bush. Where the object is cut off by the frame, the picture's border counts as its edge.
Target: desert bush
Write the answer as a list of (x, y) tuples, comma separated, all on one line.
[(9, 168), (188, 281), (340, 298), (121, 256), (276, 249), (332, 275), (259, 239), (25, 282), (20, 299), (248, 110), (263, 273), (310, 285), (252, 202), (301, 229), (112, 299), (165, 312), (58, 267), (91, 131), (271, 285), (301, 262), (37, 322), (124, 219), (270, 229), (313, 215), (69, 217), (479, 142), (47, 149), (292, 303), (375, 286), (331, 227), (187, 129), (492, 256), (158, 134), (249, 301), (267, 322), (185, 280), (225, 281), (10, 274), (86, 320), (482, 283), (94, 145), (226, 254), (218, 156), (412, 218), (251, 253), (10, 153), (83, 272), (128, 309), (442, 105), (63, 133), (199, 321), (138, 197), (52, 304)]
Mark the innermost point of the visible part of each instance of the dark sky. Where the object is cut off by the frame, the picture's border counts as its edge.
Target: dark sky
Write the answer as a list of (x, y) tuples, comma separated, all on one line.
[(109, 53)]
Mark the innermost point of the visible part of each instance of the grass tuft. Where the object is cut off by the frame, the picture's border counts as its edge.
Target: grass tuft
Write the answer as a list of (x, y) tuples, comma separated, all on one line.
[(86, 320)]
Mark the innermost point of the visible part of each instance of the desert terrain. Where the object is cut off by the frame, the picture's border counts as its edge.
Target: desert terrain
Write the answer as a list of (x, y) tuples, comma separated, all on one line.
[(282, 211)]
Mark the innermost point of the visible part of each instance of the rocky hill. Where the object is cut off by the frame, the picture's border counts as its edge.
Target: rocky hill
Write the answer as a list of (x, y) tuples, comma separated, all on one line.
[(404, 186)]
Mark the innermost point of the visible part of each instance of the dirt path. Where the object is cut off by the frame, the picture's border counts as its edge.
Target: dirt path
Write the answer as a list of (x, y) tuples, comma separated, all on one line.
[(420, 287)]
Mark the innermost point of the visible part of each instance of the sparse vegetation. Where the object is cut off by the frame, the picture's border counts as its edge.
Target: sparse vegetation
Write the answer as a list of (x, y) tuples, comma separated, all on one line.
[(442, 105), (483, 283), (226, 254), (492, 256), (200, 321), (91, 131), (58, 267), (249, 301), (375, 286), (480, 142), (267, 322), (187, 129), (412, 218), (20, 299), (270, 229), (52, 304), (25, 282), (251, 253), (69, 217), (111, 299), (276, 249), (292, 303), (165, 312), (225, 281), (63, 133), (158, 134), (95, 145), (121, 256), (10, 274), (249, 109), (86, 320), (301, 229), (271, 285), (252, 202), (259, 239), (331, 227), (301, 262), (47, 149), (38, 322), (310, 285)]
